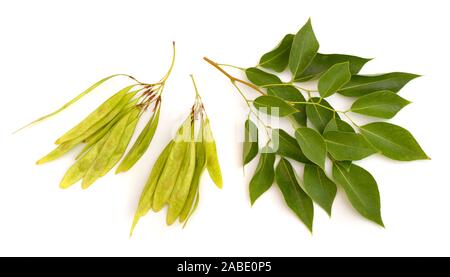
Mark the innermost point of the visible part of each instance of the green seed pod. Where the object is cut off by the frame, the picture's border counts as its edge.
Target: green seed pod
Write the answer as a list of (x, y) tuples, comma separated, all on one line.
[(103, 131), (95, 116), (141, 145), (59, 151), (110, 116), (170, 173), (65, 147), (81, 166), (212, 161), (123, 143), (107, 151), (200, 161), (145, 201), (181, 189)]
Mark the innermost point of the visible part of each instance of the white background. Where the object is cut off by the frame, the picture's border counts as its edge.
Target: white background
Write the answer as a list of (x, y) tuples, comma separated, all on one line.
[(52, 50)]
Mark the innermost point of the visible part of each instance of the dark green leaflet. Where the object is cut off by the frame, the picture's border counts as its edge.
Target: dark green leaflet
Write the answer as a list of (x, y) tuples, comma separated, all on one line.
[(291, 94), (146, 199), (317, 185), (286, 92), (346, 146), (304, 49), (277, 59), (345, 164), (322, 62), (361, 189), (295, 197), (360, 85), (334, 78), (141, 145), (274, 106), (300, 117), (263, 177), (319, 116), (260, 77), (288, 146), (337, 124), (383, 104), (312, 145), (393, 141), (250, 144)]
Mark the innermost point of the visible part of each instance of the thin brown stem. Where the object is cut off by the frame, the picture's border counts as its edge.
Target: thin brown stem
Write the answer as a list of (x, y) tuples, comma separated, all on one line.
[(232, 78)]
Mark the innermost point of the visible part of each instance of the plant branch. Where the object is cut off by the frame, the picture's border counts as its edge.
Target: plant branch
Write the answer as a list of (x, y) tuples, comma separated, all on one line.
[(232, 78)]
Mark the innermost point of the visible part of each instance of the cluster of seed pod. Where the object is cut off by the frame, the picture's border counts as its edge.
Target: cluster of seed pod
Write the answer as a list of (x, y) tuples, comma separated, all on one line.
[(175, 176), (107, 131)]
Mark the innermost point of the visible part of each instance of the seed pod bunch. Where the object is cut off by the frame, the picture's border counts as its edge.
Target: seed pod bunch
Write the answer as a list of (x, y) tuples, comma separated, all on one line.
[(175, 176), (107, 131)]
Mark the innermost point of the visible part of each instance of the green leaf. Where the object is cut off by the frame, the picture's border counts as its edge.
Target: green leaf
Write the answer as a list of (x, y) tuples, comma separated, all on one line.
[(277, 59), (334, 78), (286, 92), (312, 145), (273, 105), (304, 48), (295, 197), (250, 144), (263, 178), (361, 189), (300, 117), (337, 124), (345, 146), (261, 78), (319, 116), (393, 141), (288, 146), (345, 164), (322, 62), (383, 104), (292, 94), (317, 185), (364, 84)]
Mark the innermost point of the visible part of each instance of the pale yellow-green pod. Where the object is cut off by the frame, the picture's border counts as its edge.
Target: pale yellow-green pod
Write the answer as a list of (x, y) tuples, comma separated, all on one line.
[(169, 175), (145, 201), (141, 144), (124, 141), (81, 166), (92, 139), (59, 151), (65, 147), (95, 116), (181, 189), (105, 154), (212, 160), (192, 199)]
